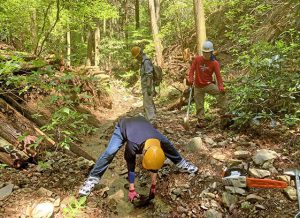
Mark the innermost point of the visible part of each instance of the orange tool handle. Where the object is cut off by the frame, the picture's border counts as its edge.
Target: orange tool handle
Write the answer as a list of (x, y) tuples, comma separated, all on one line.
[(265, 183)]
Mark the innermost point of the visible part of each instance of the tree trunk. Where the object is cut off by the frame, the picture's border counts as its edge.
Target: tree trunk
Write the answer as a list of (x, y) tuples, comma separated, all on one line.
[(200, 24), (104, 28), (68, 62), (34, 27), (157, 11), (90, 48), (137, 14), (155, 32), (97, 44), (125, 25)]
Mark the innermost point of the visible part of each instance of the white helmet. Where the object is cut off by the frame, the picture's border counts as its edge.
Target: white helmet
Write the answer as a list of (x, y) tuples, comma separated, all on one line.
[(207, 46)]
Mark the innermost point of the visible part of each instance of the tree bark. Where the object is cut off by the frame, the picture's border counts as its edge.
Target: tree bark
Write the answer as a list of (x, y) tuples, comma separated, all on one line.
[(137, 14), (68, 62), (155, 32), (97, 44), (90, 46), (157, 11), (200, 24)]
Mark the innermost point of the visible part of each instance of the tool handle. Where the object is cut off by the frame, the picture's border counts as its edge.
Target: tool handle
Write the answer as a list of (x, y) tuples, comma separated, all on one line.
[(190, 98), (297, 187)]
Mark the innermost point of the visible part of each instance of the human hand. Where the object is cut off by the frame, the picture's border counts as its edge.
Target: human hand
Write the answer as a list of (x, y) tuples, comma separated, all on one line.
[(132, 195), (152, 192)]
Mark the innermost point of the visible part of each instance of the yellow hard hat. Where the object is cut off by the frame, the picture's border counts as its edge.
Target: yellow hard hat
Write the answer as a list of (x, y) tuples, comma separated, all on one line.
[(135, 51), (154, 156)]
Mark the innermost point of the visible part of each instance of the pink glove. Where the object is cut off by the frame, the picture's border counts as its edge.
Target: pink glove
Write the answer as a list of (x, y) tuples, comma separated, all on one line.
[(132, 195), (152, 192)]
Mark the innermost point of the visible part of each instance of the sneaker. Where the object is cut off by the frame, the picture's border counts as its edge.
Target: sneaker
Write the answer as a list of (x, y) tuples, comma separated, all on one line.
[(88, 186), (187, 167)]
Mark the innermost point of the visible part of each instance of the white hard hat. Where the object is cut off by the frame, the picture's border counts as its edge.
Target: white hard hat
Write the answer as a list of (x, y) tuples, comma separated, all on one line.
[(207, 46)]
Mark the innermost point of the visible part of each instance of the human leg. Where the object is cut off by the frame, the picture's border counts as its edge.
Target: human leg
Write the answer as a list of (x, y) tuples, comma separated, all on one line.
[(149, 106), (103, 162)]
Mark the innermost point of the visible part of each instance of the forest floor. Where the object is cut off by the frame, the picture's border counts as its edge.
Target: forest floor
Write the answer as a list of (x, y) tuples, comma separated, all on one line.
[(58, 176)]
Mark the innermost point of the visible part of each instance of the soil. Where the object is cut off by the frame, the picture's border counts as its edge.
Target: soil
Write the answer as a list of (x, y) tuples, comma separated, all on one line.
[(62, 175)]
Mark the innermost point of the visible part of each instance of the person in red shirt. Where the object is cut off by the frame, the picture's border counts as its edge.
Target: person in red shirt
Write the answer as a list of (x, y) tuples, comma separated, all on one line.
[(201, 77)]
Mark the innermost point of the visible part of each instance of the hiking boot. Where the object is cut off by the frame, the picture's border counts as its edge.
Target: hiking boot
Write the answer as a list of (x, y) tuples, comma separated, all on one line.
[(88, 186), (187, 167)]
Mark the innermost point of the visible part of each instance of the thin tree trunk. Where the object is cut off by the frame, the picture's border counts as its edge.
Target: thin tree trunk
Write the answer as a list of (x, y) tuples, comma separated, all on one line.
[(155, 32), (52, 27), (97, 44), (90, 46), (137, 14), (68, 63), (104, 27), (200, 24), (157, 11), (34, 28)]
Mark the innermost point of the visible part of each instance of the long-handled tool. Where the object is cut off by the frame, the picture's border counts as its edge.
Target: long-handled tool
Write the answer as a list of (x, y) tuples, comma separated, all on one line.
[(295, 173), (186, 118)]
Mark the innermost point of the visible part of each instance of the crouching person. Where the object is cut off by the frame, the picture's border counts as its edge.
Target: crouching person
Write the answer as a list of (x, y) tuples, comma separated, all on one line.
[(139, 137)]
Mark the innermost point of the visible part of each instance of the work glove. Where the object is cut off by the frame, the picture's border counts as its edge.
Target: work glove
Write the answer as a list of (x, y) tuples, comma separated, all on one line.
[(152, 192), (132, 195)]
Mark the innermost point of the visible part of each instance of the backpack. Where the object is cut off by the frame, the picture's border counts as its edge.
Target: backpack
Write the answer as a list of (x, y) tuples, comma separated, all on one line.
[(157, 74)]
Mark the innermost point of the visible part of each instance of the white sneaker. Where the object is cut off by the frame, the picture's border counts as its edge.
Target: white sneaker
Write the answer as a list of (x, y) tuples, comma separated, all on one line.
[(187, 167), (88, 186)]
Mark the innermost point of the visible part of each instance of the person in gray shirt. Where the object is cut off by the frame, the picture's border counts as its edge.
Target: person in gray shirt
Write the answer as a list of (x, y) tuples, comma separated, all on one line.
[(146, 72)]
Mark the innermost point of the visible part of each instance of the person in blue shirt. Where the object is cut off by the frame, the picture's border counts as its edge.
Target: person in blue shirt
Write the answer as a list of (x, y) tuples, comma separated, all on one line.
[(139, 137)]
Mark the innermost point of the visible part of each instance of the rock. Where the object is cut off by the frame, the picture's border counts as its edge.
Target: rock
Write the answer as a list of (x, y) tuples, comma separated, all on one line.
[(196, 144), (219, 156), (212, 213), (209, 141), (6, 191), (264, 155), (43, 210), (213, 185), (44, 192), (229, 199), (234, 162), (260, 207), (242, 154), (291, 193), (246, 205), (209, 195), (177, 191), (235, 190), (223, 143), (181, 209), (284, 178), (254, 198), (259, 173), (57, 202)]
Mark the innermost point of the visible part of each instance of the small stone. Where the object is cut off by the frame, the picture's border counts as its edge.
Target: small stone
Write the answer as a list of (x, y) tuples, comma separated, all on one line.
[(254, 198), (264, 155), (181, 209), (235, 190), (291, 193), (259, 173), (44, 192), (6, 191), (212, 213), (260, 207), (43, 210), (242, 154), (229, 199), (219, 156)]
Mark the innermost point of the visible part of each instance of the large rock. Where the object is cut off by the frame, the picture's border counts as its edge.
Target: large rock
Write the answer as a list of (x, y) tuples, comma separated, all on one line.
[(259, 173), (264, 155), (43, 210), (6, 191), (229, 199), (291, 193), (196, 144), (212, 213), (242, 154)]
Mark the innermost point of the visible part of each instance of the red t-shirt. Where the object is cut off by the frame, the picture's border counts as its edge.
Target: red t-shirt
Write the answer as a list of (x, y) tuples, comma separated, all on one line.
[(204, 71)]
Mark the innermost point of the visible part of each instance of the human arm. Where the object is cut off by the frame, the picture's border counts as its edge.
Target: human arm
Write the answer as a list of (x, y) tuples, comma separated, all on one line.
[(219, 77), (192, 72), (130, 157), (153, 185)]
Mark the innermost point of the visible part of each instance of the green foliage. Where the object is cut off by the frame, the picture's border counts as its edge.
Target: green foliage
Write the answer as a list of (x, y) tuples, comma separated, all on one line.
[(3, 166), (74, 207), (270, 91)]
